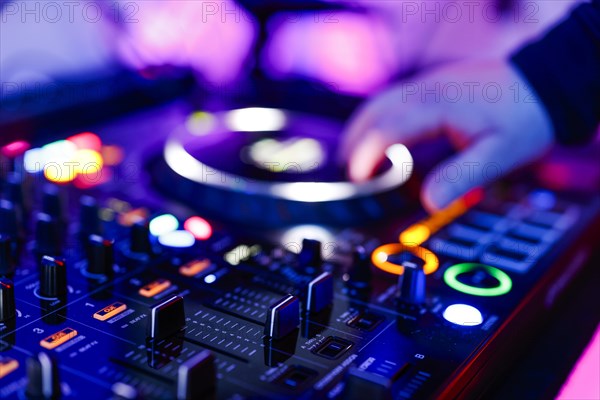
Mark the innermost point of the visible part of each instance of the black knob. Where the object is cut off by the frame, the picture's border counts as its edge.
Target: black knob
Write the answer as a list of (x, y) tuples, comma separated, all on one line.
[(360, 273), (310, 255), (100, 255), (53, 277), (140, 238), (7, 300), (89, 219), (52, 203), (197, 377), (13, 190), (283, 317), (412, 283), (7, 263), (166, 318), (47, 235), (9, 224), (42, 377)]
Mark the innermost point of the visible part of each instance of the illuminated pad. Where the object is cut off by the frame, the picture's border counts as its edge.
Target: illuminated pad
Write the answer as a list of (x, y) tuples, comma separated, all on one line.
[(154, 288), (194, 267), (110, 311), (58, 338), (7, 365), (502, 282)]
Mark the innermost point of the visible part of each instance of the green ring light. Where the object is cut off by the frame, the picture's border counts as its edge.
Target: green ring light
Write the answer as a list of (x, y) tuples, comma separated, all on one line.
[(452, 273)]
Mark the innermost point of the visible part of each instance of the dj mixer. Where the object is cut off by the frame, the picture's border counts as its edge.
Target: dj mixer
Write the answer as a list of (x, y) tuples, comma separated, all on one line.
[(140, 279)]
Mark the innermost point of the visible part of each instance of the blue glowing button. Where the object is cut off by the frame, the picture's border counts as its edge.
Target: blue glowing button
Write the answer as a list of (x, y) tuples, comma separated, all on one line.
[(463, 315)]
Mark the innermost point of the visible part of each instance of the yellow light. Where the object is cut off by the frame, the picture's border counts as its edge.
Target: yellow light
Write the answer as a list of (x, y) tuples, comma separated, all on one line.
[(87, 162), (59, 172), (415, 234), (381, 254)]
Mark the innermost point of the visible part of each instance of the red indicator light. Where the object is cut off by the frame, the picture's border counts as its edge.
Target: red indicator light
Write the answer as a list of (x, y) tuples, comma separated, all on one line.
[(199, 227)]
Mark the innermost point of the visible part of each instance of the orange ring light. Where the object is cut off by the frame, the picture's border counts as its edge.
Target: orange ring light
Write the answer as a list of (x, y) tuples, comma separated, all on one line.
[(380, 256)]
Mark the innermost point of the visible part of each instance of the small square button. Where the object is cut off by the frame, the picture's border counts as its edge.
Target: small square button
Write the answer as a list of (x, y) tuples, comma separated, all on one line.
[(333, 347)]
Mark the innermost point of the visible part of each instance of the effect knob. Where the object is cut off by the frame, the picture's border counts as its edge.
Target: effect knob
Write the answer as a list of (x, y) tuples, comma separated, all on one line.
[(7, 263), (9, 224), (42, 378), (412, 283), (89, 220), (53, 277), (100, 255), (52, 203), (139, 238), (360, 274), (47, 235), (310, 255), (7, 300)]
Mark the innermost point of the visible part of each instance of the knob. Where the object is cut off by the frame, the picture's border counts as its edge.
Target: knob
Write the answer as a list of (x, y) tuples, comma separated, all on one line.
[(42, 377), (283, 317), (310, 255), (89, 221), (53, 277), (52, 203), (7, 263), (166, 318), (197, 377), (320, 293), (412, 286), (100, 255), (7, 300), (140, 238), (8, 219), (47, 235), (360, 274), (13, 190)]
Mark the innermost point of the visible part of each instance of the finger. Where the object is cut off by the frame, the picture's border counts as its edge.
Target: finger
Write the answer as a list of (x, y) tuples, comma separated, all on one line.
[(484, 161), (383, 122)]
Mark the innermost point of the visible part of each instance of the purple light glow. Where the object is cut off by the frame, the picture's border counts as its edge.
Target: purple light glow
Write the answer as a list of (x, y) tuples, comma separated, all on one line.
[(212, 38), (354, 54)]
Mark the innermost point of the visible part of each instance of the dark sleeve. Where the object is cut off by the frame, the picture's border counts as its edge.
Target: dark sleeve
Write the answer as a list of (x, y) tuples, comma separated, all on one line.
[(563, 69)]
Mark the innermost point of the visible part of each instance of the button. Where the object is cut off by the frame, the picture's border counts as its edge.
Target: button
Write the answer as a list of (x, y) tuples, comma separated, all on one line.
[(481, 220), (532, 234), (60, 337), (365, 321), (166, 318), (359, 382), (283, 317), (100, 256), (7, 300), (42, 377), (320, 293), (7, 365), (155, 287), (194, 267), (474, 279), (110, 311), (296, 376), (7, 263), (463, 315), (333, 347), (53, 277), (197, 377)]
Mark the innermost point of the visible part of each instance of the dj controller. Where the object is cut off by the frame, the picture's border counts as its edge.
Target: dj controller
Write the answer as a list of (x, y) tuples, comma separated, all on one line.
[(163, 273)]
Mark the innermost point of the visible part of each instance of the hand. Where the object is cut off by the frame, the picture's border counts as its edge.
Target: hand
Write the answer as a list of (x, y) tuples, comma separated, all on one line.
[(485, 108)]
